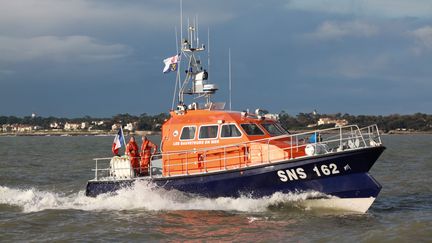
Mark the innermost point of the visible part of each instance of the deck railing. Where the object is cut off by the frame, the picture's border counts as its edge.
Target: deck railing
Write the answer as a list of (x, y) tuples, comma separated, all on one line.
[(257, 152)]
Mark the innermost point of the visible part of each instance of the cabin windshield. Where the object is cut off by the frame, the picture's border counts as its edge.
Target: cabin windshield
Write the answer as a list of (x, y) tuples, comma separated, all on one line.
[(273, 129), (252, 129)]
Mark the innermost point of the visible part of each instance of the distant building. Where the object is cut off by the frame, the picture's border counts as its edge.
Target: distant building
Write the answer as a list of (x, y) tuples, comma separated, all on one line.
[(72, 126), (7, 128), (98, 123), (21, 128), (84, 125), (341, 123), (337, 122), (116, 126), (54, 125), (35, 128), (324, 121), (130, 126)]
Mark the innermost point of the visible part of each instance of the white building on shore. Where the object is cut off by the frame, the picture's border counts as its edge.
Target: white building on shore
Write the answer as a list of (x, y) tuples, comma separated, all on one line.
[(130, 126), (337, 122), (116, 126), (72, 126)]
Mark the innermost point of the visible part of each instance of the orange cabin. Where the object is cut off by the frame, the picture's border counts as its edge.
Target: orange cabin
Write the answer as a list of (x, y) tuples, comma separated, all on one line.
[(197, 141)]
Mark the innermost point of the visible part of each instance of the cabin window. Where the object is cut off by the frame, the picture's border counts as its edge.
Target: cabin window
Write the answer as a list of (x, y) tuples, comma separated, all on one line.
[(188, 133), (208, 132), (252, 129), (281, 128), (273, 129), (230, 131)]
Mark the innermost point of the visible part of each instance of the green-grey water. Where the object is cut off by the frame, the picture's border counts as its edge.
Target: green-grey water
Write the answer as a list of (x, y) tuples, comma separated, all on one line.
[(42, 181)]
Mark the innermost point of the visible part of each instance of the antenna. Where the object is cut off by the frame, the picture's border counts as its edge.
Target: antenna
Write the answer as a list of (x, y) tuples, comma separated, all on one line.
[(197, 30), (189, 33), (229, 74), (178, 70), (208, 49), (181, 20)]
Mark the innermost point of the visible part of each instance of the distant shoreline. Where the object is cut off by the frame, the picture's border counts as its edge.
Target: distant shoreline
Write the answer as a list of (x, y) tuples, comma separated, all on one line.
[(74, 133), (393, 132), (140, 133)]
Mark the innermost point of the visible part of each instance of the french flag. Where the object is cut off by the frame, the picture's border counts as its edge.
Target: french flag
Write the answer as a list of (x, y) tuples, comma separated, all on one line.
[(118, 141)]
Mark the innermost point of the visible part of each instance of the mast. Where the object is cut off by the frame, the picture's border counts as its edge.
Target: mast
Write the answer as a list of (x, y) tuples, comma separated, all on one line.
[(195, 82), (177, 73)]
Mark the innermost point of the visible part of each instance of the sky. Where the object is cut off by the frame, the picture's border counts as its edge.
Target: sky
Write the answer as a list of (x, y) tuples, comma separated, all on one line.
[(104, 57)]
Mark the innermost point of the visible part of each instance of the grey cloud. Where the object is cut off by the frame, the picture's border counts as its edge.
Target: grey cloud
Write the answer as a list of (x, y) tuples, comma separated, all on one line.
[(33, 17), (329, 30), (70, 48), (378, 9), (423, 39)]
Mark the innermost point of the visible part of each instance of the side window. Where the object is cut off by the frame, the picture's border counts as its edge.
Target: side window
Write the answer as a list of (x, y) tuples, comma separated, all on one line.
[(272, 129), (230, 131), (252, 129), (188, 133), (282, 129), (208, 132)]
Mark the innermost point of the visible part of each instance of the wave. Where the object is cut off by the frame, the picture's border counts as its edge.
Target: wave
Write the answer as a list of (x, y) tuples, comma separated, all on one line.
[(145, 196)]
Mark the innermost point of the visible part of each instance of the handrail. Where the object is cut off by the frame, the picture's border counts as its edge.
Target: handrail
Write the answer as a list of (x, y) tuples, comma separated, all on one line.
[(264, 139), (210, 160), (349, 137), (355, 133)]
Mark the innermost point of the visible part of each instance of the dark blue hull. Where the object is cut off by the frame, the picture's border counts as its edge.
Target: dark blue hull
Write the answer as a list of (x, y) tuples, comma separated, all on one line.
[(344, 175)]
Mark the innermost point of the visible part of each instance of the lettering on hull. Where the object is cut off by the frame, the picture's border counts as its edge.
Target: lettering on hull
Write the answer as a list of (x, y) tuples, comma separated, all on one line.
[(299, 173)]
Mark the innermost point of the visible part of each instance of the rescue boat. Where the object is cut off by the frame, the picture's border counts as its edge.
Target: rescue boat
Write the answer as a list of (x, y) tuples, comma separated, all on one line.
[(213, 152)]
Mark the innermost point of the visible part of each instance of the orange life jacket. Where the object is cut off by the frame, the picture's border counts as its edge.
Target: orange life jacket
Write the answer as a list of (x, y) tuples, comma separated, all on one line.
[(132, 149)]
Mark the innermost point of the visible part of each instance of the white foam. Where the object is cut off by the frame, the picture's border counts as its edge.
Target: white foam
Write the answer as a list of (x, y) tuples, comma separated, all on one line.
[(142, 196)]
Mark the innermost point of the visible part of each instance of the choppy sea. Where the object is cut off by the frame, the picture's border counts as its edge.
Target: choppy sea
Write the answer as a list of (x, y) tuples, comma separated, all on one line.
[(42, 182)]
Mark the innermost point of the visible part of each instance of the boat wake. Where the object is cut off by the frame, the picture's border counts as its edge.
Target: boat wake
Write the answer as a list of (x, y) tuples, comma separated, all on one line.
[(143, 196)]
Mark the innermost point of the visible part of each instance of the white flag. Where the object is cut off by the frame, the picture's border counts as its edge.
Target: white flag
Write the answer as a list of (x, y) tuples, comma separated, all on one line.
[(171, 63)]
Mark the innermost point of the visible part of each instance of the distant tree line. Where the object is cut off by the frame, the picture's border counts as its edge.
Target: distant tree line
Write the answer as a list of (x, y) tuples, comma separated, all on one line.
[(417, 121), (144, 121)]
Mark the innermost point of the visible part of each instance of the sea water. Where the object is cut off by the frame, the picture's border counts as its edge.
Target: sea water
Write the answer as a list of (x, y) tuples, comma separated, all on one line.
[(42, 183)]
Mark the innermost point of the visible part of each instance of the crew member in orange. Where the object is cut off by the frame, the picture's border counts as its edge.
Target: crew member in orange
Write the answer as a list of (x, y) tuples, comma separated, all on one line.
[(146, 153), (133, 153)]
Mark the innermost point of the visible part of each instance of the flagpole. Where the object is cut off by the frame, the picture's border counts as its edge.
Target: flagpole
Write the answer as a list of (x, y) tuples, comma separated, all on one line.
[(124, 138), (229, 73)]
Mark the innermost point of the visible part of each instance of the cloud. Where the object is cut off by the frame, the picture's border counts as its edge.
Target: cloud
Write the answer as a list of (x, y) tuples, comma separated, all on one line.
[(423, 38), (380, 9), (357, 67), (399, 67), (6, 72), (70, 48), (336, 30), (35, 17)]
